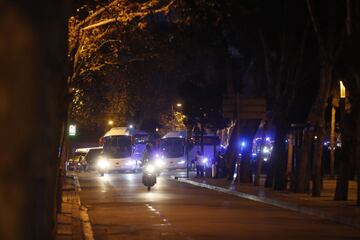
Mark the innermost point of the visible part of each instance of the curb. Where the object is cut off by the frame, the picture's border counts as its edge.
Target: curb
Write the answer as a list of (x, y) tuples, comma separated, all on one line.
[(276, 203), (83, 212)]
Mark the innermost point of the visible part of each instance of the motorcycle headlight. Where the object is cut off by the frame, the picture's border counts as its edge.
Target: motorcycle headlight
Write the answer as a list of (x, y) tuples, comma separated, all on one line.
[(150, 168), (103, 163)]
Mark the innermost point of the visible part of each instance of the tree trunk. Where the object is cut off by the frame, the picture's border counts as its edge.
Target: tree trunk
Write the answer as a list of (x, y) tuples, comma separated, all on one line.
[(269, 181), (245, 168), (357, 152), (342, 182), (290, 157), (317, 117), (317, 164), (32, 88), (247, 133), (279, 157), (301, 185)]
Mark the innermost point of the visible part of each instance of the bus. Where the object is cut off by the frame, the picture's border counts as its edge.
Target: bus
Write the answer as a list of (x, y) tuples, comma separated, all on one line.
[(172, 150), (118, 150), (172, 147)]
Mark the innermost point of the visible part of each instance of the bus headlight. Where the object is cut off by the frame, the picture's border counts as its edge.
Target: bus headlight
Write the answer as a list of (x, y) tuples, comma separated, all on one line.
[(130, 163), (103, 163), (159, 163)]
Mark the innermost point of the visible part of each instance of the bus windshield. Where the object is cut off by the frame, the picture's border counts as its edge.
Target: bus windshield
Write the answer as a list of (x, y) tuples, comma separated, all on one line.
[(117, 146), (172, 147)]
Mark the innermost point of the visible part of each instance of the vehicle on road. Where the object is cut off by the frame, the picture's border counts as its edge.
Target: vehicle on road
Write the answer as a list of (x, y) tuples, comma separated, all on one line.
[(75, 163), (117, 151), (149, 175), (172, 149), (92, 156)]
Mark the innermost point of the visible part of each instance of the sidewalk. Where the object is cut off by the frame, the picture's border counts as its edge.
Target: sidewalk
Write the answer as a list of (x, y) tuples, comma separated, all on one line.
[(344, 212), (69, 221)]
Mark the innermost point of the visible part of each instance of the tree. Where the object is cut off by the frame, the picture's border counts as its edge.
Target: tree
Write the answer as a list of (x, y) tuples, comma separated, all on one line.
[(33, 107), (330, 36), (107, 43), (347, 67)]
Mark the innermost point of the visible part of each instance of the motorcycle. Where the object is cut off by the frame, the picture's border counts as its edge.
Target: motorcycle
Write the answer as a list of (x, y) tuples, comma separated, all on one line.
[(149, 176)]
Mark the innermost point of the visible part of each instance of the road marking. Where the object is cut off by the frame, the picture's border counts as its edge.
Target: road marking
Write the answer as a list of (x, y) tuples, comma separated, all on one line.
[(167, 223)]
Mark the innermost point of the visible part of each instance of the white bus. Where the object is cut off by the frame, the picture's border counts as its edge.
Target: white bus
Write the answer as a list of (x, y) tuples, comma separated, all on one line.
[(117, 151), (172, 147)]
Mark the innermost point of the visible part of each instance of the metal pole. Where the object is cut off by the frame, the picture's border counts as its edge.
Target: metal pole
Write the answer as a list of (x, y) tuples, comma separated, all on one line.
[(187, 158)]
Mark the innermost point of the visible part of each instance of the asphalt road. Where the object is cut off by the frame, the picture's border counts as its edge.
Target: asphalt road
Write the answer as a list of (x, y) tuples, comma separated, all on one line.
[(120, 207)]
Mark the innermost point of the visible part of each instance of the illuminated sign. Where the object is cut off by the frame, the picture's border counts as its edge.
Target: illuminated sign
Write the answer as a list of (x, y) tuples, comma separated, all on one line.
[(72, 130)]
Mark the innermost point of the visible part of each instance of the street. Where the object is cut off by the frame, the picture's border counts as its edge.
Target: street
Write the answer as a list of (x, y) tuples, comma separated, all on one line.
[(120, 207)]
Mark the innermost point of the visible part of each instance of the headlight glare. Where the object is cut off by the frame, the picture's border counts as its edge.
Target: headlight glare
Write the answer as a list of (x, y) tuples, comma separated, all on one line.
[(150, 168), (103, 163)]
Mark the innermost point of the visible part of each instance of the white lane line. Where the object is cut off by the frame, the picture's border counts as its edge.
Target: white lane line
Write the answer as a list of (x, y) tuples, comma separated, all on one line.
[(167, 223)]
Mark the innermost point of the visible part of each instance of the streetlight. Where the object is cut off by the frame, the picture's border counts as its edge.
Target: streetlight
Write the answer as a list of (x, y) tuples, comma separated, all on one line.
[(111, 122), (131, 126), (342, 90), (179, 105)]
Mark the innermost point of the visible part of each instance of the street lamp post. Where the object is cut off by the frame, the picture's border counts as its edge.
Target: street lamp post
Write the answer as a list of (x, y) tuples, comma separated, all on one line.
[(341, 192)]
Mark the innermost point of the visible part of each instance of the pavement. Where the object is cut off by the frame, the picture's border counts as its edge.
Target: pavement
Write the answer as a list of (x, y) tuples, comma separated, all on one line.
[(70, 221), (344, 212)]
